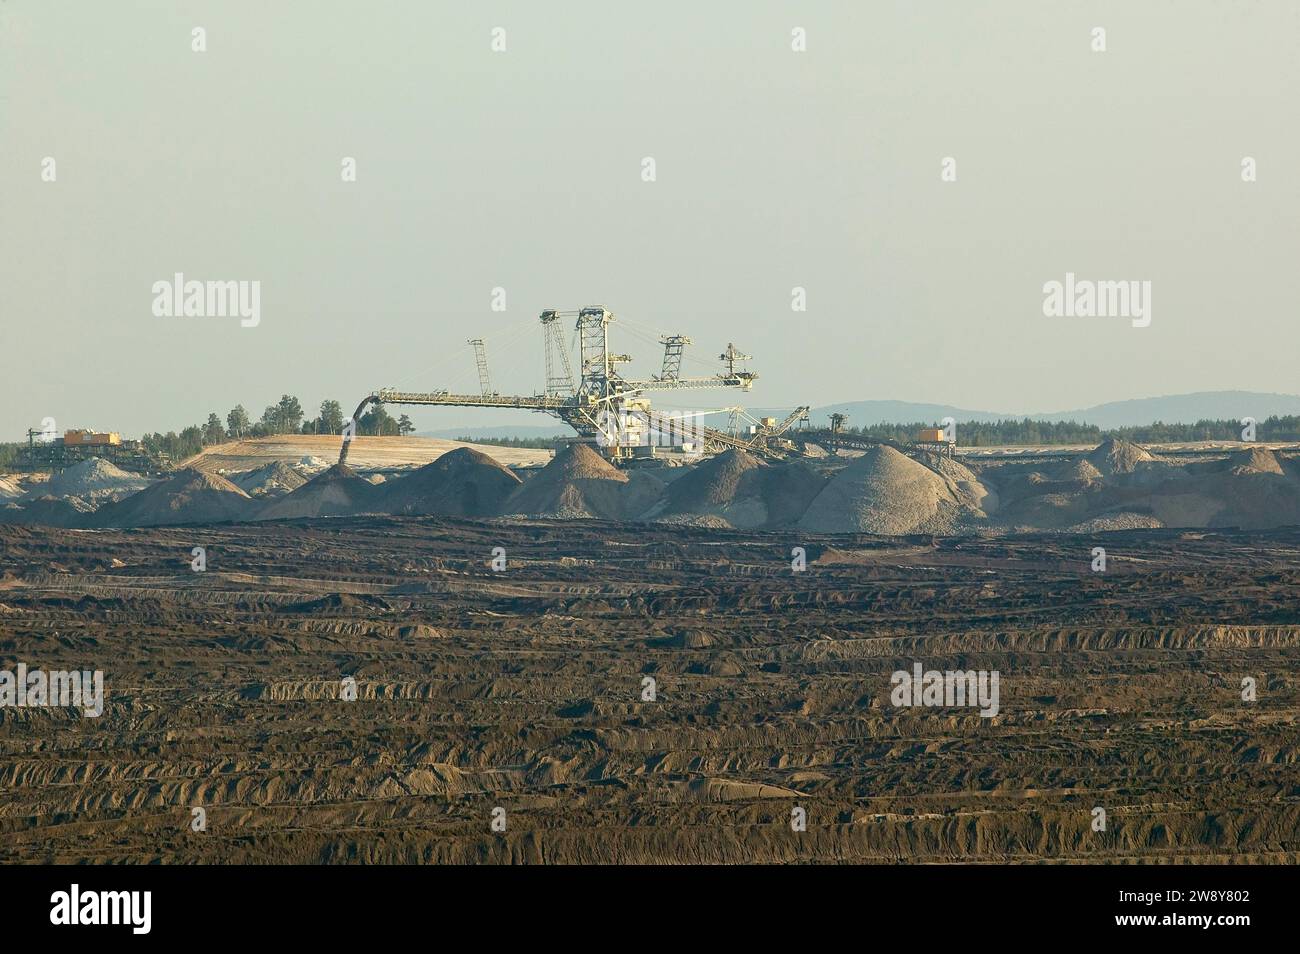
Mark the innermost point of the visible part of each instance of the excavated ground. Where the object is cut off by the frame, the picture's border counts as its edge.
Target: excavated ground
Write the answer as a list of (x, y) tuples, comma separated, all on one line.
[(522, 690)]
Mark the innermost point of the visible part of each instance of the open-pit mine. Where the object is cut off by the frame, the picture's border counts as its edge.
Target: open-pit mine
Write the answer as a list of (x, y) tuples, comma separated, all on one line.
[(424, 688)]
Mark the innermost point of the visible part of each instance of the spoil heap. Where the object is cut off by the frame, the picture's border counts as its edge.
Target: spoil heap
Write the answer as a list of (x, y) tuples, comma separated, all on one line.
[(1121, 520), (1254, 491), (578, 483), (788, 490), (641, 493), (270, 480), (742, 491), (1117, 456), (335, 492), (461, 483), (49, 511), (97, 481), (1250, 490), (885, 492), (1082, 471), (1256, 460), (727, 486), (188, 496), (964, 483)]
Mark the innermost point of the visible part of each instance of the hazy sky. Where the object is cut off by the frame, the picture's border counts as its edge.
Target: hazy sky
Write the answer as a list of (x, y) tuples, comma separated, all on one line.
[(523, 170)]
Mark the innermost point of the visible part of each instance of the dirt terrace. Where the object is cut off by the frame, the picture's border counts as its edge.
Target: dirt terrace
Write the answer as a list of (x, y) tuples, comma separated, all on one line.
[(522, 690), (365, 452)]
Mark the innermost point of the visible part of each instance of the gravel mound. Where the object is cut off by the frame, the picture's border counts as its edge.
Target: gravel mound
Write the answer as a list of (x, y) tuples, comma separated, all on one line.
[(703, 521), (971, 492), (461, 483), (188, 496), (9, 489), (884, 492), (945, 466), (1245, 492), (577, 483), (716, 482), (49, 511), (1116, 456), (728, 487), (1255, 499), (643, 491), (788, 490), (97, 480), (335, 492), (1117, 521), (1256, 460), (272, 480), (742, 491), (1082, 470)]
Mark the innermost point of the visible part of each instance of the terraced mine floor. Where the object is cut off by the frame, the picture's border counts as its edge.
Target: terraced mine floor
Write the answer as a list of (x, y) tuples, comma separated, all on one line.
[(523, 690)]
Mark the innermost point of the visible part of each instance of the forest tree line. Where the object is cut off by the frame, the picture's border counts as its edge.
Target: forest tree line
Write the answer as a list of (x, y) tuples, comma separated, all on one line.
[(1040, 433), (286, 416)]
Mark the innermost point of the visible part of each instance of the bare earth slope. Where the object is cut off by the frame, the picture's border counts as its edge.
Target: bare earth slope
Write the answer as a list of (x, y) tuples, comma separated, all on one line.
[(883, 491), (578, 483), (97, 480), (337, 491), (365, 452), (463, 483), (742, 491), (187, 496), (269, 480)]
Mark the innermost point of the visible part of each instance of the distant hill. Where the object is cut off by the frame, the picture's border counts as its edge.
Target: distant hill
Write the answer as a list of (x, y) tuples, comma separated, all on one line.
[(1183, 409), (1171, 409)]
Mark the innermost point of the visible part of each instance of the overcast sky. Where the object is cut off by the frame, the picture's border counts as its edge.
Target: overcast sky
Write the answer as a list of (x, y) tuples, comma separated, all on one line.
[(523, 170)]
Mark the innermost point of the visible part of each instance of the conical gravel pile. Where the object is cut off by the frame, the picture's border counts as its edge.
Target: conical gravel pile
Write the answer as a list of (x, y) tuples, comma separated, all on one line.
[(1117, 456), (461, 483), (336, 492), (884, 492), (188, 496), (577, 483)]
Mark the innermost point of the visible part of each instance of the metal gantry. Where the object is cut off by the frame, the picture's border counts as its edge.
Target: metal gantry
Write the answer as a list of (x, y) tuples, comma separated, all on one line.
[(557, 356), (599, 403), (674, 345), (480, 359)]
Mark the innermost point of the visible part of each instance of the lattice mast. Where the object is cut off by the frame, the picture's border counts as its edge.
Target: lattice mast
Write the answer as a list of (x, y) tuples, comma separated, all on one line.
[(480, 359), (559, 370), (673, 347)]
